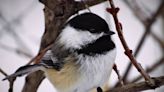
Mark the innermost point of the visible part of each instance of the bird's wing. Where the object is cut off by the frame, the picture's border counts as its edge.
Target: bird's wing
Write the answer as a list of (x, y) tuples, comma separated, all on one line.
[(46, 62), (27, 69)]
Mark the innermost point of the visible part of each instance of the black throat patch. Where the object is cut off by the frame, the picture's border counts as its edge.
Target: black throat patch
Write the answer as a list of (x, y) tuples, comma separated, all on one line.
[(100, 46)]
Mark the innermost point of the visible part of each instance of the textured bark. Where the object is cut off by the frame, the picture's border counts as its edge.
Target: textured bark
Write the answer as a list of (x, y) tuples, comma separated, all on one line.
[(137, 87)]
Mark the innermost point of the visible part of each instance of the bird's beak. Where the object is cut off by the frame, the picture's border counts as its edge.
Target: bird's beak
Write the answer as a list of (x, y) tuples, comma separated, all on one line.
[(110, 33)]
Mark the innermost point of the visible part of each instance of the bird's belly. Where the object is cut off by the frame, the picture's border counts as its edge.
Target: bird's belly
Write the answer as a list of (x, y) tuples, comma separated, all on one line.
[(95, 76), (87, 73), (66, 79), (95, 71)]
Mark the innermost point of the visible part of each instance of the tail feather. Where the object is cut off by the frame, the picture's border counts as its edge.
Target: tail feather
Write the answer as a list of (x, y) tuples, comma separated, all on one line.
[(25, 70)]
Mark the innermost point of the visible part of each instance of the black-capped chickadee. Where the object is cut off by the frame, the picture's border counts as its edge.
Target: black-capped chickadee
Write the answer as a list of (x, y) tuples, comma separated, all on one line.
[(81, 58)]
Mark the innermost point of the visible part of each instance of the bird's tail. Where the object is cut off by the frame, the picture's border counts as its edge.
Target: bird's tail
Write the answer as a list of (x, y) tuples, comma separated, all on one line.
[(25, 70)]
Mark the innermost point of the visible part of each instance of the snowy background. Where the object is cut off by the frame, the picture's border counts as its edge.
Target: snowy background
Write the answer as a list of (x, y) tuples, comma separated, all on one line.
[(22, 25)]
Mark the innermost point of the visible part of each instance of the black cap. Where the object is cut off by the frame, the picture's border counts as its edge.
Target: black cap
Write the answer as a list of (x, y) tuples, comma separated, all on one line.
[(89, 22)]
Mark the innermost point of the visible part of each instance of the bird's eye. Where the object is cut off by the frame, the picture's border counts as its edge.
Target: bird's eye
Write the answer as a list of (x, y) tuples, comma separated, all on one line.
[(92, 30)]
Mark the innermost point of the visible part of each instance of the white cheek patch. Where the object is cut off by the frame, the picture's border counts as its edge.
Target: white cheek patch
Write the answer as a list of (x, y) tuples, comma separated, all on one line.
[(74, 38)]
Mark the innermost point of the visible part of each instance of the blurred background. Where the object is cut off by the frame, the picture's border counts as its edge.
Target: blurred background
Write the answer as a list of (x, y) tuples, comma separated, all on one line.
[(22, 25)]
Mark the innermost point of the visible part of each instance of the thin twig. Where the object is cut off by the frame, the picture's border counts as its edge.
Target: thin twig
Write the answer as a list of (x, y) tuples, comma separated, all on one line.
[(5, 74), (150, 69), (161, 43), (11, 81), (148, 25), (118, 74), (86, 5), (15, 50), (113, 10), (137, 10), (10, 25), (39, 56)]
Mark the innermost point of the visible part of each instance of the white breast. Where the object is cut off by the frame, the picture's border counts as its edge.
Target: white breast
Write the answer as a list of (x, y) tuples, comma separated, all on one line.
[(95, 71)]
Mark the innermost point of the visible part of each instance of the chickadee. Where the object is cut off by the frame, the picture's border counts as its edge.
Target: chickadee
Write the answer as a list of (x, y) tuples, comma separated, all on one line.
[(81, 58)]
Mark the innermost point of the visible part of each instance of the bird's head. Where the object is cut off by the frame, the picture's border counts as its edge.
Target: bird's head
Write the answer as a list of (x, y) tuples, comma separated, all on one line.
[(82, 30)]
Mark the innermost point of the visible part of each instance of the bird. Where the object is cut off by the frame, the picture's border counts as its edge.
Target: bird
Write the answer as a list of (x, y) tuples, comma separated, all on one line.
[(81, 58)]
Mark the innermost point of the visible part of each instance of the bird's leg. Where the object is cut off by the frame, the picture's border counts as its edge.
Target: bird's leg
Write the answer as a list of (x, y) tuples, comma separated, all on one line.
[(99, 89)]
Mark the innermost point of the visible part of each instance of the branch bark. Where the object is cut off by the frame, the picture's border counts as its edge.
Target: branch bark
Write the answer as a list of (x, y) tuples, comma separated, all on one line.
[(114, 11), (148, 22), (1, 71), (141, 86), (148, 70), (11, 80)]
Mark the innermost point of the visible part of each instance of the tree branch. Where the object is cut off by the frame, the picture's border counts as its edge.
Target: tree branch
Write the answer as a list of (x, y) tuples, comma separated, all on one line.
[(113, 10), (148, 24), (1, 71), (161, 42), (33, 81), (152, 68), (15, 50), (52, 4), (11, 81), (118, 74), (141, 86)]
